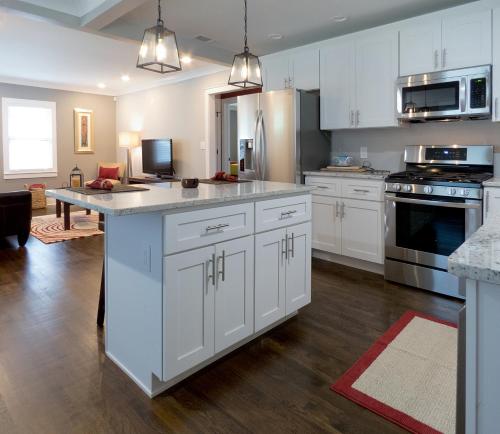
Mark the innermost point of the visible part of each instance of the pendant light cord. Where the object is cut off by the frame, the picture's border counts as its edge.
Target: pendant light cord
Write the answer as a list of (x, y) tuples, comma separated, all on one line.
[(246, 39), (160, 21)]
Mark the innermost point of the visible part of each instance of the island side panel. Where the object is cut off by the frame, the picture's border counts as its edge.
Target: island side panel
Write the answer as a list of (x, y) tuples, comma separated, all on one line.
[(134, 299)]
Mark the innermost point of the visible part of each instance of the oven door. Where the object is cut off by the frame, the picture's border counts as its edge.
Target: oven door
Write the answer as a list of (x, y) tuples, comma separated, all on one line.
[(426, 231), (436, 98)]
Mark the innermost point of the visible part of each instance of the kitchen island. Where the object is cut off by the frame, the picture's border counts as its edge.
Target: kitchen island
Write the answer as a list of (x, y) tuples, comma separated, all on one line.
[(192, 274), (478, 260)]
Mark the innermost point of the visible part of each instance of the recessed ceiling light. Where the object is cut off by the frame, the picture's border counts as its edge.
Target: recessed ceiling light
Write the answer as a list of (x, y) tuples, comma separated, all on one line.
[(125, 77), (186, 59), (339, 19), (101, 85), (275, 36)]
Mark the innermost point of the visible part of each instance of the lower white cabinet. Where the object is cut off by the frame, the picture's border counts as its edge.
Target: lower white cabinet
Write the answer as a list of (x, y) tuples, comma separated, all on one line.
[(491, 202), (208, 302), (282, 273), (326, 224)]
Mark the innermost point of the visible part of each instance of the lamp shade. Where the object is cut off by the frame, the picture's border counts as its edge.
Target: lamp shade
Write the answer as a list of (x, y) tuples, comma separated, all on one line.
[(128, 139), (159, 52), (246, 71)]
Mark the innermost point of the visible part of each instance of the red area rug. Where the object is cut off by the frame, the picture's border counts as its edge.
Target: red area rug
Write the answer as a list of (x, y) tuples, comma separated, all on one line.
[(50, 229), (409, 375)]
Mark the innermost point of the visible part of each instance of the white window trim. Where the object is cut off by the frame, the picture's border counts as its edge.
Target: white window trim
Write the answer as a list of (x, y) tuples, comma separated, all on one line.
[(19, 174)]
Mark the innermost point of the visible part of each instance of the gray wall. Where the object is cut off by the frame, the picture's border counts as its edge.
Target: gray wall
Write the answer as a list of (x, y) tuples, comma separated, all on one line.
[(105, 132), (386, 145)]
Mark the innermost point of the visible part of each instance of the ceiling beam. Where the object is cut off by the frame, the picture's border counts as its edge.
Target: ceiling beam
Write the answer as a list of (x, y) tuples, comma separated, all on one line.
[(108, 12), (39, 12)]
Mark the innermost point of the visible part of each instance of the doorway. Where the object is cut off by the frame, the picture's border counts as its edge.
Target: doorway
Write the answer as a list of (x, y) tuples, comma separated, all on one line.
[(229, 133)]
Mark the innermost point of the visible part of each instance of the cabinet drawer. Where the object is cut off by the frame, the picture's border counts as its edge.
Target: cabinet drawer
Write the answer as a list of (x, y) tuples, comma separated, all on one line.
[(193, 229), (325, 186), (363, 189), (276, 213)]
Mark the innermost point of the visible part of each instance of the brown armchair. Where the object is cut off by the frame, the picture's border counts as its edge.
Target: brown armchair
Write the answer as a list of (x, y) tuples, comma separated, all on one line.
[(15, 215)]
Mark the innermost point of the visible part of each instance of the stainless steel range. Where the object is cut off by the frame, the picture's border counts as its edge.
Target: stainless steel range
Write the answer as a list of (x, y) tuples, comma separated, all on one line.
[(430, 210)]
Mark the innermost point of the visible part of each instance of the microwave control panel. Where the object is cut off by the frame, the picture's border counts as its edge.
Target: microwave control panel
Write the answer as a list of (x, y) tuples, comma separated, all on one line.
[(478, 93)]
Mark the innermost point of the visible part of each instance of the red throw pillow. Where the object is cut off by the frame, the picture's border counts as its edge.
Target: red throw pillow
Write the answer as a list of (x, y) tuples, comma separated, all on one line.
[(109, 172), (101, 184)]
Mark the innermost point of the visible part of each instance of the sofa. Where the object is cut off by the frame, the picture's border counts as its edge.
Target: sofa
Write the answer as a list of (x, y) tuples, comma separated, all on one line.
[(15, 215)]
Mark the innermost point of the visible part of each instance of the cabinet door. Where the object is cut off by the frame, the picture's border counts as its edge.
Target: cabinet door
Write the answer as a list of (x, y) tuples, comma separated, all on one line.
[(420, 46), (362, 235), (376, 75), (276, 73), (234, 305), (298, 267), (496, 64), (304, 69), (270, 258), (466, 40), (337, 85), (326, 229), (491, 202), (189, 310)]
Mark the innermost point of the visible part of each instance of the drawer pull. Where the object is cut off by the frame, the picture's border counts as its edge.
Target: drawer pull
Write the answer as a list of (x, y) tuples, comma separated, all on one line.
[(359, 190), (217, 227), (321, 186), (288, 214)]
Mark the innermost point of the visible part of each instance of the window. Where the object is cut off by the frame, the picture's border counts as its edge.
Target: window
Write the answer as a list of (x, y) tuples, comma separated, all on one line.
[(29, 138)]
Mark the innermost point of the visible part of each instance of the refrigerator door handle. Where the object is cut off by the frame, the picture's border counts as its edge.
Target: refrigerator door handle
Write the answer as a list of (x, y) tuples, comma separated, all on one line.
[(262, 148), (257, 147)]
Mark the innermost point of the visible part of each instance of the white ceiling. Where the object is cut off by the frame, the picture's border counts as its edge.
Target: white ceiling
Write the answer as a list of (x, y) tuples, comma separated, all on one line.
[(43, 54), (76, 44)]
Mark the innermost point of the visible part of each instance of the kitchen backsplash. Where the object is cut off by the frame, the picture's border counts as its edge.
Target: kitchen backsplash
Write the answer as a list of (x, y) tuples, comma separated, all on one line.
[(386, 145)]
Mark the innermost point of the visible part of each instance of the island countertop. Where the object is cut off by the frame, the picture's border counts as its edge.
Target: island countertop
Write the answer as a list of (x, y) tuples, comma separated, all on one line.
[(479, 257), (167, 196)]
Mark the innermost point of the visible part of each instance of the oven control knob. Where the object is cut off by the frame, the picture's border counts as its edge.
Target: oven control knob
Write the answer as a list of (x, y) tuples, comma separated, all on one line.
[(464, 192), (428, 189), (452, 191), (407, 188), (396, 187)]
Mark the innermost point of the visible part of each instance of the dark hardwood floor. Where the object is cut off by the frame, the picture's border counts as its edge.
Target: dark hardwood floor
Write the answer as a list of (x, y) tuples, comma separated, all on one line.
[(55, 378)]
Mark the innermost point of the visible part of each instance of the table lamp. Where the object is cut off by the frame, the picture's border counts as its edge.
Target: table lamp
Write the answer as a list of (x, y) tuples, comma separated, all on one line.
[(129, 140)]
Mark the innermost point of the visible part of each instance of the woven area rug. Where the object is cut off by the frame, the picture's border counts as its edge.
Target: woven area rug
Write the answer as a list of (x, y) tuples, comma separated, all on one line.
[(409, 375), (50, 229)]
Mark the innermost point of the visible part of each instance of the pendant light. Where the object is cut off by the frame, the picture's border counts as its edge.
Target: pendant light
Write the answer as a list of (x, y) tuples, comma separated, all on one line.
[(159, 52), (246, 70)]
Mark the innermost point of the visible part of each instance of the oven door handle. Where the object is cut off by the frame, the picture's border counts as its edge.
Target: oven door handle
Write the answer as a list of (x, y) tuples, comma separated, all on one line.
[(434, 203)]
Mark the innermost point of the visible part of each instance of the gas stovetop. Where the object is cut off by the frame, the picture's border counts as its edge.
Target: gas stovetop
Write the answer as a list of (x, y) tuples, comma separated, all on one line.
[(440, 177)]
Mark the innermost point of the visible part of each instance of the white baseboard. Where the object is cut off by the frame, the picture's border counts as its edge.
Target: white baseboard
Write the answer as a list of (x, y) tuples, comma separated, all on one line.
[(349, 262)]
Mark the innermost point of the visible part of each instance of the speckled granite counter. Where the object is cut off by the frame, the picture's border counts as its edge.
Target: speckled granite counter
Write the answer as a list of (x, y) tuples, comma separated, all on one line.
[(376, 174), (165, 196), (479, 257)]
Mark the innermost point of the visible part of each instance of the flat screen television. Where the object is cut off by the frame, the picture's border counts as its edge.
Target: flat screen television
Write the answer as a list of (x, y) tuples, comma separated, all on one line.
[(157, 157)]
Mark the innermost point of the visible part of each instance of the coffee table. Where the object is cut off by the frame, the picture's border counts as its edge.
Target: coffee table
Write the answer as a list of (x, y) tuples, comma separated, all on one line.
[(66, 211)]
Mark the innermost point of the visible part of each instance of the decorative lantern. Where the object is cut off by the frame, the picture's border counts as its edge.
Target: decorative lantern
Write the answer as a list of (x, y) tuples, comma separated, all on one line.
[(76, 178)]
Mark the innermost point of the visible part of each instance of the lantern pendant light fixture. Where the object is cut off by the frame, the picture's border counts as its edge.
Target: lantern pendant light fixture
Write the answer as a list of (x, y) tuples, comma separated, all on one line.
[(159, 52), (246, 70)]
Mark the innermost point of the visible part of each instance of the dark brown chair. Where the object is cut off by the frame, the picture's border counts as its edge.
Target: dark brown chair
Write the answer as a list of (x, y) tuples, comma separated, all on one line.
[(15, 215)]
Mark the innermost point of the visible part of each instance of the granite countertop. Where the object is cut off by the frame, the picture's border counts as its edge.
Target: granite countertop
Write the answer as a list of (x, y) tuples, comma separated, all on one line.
[(375, 174), (166, 196), (492, 182), (479, 257)]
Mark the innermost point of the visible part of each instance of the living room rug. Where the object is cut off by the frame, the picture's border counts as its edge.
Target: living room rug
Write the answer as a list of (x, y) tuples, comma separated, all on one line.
[(409, 375), (50, 229)]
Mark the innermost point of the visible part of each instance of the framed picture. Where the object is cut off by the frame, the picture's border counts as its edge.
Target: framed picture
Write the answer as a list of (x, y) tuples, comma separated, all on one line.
[(84, 131)]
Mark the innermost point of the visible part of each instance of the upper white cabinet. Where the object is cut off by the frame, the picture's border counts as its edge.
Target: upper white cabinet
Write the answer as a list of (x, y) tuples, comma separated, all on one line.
[(496, 65), (299, 70), (420, 46), (440, 42), (357, 81)]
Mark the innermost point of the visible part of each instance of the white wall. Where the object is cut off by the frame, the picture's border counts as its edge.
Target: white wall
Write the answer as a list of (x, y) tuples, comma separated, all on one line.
[(174, 111), (386, 145)]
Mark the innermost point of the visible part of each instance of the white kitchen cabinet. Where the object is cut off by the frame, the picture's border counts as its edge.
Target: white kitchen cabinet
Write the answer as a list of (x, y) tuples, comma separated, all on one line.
[(441, 42), (496, 65), (466, 40), (276, 72), (270, 257), (362, 230), (420, 44), (282, 282), (357, 81), (376, 74), (326, 224), (337, 101), (234, 292), (304, 66), (189, 286), (491, 202), (298, 267)]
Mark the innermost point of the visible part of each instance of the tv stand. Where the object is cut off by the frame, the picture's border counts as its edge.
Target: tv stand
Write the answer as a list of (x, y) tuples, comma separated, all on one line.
[(150, 180)]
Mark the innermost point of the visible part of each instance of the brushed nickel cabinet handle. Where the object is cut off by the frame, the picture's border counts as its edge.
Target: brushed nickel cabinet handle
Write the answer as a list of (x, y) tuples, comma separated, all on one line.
[(222, 272), (357, 117), (359, 190), (284, 248), (487, 204), (351, 118), (216, 227), (291, 250), (337, 209), (211, 276), (436, 59), (443, 60), (342, 212)]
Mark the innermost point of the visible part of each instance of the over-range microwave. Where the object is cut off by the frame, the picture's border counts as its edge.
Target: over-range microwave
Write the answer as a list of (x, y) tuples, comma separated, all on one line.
[(447, 95)]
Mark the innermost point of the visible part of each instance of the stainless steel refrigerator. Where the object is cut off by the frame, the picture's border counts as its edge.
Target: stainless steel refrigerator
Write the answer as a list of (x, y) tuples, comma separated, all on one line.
[(279, 136)]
